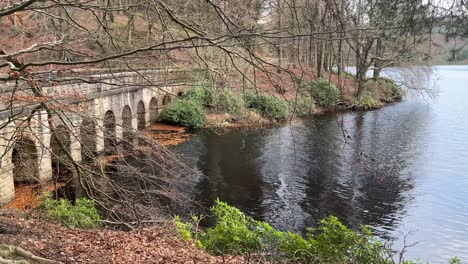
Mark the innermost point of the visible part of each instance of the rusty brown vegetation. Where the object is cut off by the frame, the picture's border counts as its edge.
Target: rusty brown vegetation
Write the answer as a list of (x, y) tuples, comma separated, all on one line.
[(157, 244)]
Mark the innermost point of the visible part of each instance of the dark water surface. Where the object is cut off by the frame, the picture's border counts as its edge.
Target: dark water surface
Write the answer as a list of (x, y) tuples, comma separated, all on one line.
[(400, 169)]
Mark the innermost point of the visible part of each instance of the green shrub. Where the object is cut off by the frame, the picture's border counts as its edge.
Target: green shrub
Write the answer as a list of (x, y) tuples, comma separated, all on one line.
[(331, 242), (185, 113), (296, 248), (335, 243), (271, 107), (81, 215), (230, 102), (185, 230), (200, 94), (325, 93), (234, 232), (367, 102), (303, 106)]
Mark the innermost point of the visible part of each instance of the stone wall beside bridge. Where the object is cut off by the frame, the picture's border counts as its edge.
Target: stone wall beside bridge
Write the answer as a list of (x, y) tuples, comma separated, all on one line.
[(89, 114)]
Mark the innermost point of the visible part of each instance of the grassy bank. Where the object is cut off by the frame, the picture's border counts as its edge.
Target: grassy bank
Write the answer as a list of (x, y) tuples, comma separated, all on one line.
[(206, 106)]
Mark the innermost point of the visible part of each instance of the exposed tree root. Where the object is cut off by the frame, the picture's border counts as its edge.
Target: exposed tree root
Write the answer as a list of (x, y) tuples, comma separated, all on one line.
[(16, 255)]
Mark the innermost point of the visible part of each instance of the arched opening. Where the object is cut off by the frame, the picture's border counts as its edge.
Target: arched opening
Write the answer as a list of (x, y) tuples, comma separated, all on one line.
[(127, 126), (167, 99), (88, 140), (153, 108), (60, 146), (25, 160), (141, 122), (110, 139), (180, 94)]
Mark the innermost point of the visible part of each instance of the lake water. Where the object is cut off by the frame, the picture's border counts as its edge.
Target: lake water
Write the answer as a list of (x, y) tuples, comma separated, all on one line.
[(401, 169)]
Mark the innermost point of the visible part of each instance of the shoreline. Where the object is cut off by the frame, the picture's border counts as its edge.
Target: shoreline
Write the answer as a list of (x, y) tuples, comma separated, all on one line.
[(251, 120), (254, 120)]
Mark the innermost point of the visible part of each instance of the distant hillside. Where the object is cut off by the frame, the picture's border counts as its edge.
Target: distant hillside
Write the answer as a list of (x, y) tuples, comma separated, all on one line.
[(442, 51)]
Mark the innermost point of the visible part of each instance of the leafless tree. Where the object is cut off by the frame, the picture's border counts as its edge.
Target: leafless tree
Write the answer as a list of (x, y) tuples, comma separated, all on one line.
[(45, 43)]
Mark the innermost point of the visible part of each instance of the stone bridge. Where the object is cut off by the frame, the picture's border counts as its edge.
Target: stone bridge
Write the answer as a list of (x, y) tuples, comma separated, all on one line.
[(90, 115)]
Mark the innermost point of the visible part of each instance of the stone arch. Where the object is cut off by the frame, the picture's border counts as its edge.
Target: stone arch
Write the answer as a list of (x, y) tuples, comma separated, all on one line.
[(153, 109), (59, 146), (88, 140), (110, 138), (141, 116), (25, 160), (127, 123), (60, 137), (167, 99)]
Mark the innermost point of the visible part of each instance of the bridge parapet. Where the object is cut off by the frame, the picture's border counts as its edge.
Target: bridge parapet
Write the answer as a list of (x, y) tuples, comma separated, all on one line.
[(76, 88), (80, 116)]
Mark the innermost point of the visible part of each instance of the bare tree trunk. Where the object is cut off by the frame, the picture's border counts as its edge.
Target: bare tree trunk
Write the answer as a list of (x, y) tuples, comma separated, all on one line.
[(340, 61), (312, 44), (131, 29), (320, 43), (319, 59), (326, 59), (361, 70), (278, 48), (377, 61)]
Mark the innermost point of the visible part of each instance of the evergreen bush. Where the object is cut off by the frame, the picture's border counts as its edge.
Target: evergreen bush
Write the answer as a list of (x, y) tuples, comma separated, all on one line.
[(184, 112), (234, 232), (200, 94), (230, 102), (269, 106), (325, 93), (332, 242), (303, 106)]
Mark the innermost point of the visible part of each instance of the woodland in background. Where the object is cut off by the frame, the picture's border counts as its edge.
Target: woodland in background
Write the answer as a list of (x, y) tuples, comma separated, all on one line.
[(51, 42), (231, 38)]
